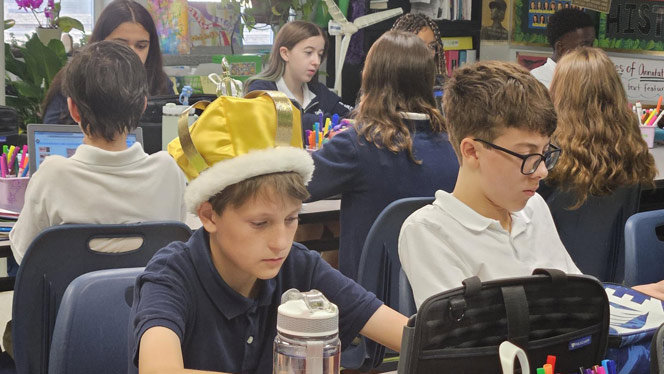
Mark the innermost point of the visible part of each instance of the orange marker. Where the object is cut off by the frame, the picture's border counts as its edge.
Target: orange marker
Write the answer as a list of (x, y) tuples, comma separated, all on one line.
[(659, 104)]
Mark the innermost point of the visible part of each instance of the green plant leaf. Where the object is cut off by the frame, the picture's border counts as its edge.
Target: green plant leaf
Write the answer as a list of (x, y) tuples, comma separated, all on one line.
[(28, 90), (9, 23), (12, 64), (650, 45), (66, 24)]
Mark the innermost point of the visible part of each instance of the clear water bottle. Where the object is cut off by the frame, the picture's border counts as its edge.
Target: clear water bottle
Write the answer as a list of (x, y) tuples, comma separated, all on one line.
[(169, 122), (307, 340)]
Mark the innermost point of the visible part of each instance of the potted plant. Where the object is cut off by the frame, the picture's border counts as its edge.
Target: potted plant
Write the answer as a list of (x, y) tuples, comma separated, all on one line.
[(54, 25), (32, 69)]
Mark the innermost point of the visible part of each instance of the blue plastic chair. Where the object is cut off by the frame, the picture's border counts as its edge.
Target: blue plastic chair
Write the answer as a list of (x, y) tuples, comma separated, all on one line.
[(380, 272), (57, 256), (593, 234), (90, 334), (644, 251)]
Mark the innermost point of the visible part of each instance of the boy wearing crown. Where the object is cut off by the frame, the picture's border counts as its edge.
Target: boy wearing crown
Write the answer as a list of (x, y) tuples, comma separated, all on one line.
[(211, 303)]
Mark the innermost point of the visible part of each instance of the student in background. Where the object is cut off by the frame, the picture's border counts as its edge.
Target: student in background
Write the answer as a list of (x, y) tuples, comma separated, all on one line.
[(211, 303), (604, 160), (128, 22), (397, 148), (297, 52), (427, 30), (567, 30), (104, 182), (494, 224)]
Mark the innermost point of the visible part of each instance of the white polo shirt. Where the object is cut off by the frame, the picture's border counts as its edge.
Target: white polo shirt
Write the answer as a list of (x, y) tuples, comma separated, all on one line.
[(446, 242), (544, 73), (307, 95)]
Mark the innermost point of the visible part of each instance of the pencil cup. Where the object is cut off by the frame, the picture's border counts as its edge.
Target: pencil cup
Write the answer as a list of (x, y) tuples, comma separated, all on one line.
[(12, 193), (648, 133)]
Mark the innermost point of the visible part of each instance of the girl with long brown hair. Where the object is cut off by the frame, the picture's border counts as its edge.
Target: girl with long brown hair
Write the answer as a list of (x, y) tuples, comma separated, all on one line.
[(604, 161), (297, 52), (397, 148)]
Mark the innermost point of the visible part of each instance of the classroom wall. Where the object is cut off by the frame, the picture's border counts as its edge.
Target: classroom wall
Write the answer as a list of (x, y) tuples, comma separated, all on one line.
[(642, 74)]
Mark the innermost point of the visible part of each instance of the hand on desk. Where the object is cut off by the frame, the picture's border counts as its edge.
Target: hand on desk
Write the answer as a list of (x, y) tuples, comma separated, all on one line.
[(652, 289)]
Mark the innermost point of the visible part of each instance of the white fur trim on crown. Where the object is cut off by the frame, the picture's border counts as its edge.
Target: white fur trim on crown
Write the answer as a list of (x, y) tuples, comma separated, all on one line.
[(258, 162)]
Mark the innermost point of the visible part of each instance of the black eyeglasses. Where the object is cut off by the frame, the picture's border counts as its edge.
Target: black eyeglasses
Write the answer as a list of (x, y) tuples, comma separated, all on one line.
[(531, 162)]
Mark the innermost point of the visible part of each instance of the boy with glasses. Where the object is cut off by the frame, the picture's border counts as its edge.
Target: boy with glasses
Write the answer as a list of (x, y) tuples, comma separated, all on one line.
[(494, 224)]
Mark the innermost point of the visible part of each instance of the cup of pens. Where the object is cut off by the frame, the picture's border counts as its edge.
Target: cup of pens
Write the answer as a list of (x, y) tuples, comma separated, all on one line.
[(12, 193), (14, 178), (648, 134)]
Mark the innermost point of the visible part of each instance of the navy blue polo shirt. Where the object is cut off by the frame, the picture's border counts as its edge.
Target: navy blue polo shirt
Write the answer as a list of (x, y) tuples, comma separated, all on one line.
[(221, 330), (370, 177)]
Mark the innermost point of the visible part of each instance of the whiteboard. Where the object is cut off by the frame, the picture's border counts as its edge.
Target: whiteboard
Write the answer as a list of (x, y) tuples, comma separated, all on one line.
[(643, 79)]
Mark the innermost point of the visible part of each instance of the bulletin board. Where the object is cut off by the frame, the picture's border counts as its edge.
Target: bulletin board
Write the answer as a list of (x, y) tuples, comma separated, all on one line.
[(634, 26), (531, 17)]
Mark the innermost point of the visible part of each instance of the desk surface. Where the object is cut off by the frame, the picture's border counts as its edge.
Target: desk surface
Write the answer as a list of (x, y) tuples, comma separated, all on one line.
[(658, 153)]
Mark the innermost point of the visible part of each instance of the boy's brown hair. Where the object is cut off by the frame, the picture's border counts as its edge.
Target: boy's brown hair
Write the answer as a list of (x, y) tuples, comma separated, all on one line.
[(280, 185), (485, 98), (107, 82)]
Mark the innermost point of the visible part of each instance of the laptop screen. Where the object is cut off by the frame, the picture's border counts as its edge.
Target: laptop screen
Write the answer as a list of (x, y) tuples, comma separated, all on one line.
[(47, 140)]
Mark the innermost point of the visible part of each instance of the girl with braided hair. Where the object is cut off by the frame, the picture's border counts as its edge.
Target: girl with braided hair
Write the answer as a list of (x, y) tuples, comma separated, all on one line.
[(425, 28)]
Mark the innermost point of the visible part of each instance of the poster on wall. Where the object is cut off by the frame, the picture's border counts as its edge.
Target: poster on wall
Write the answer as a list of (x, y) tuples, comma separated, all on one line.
[(172, 21), (643, 79), (212, 24), (633, 25), (494, 20), (531, 18)]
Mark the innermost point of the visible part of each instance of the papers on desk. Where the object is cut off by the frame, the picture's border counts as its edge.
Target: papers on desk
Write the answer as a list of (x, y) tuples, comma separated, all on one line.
[(5, 228), (7, 220), (8, 215)]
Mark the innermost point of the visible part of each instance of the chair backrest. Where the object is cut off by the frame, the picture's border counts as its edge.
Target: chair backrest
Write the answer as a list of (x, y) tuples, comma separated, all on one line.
[(90, 334), (644, 251), (57, 256), (597, 249), (380, 272)]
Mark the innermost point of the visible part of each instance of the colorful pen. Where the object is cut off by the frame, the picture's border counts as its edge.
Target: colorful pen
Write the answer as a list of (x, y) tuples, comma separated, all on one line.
[(551, 360), (25, 171), (3, 166)]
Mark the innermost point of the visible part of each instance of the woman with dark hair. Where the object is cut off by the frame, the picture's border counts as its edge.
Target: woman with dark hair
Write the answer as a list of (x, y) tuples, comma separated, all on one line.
[(129, 22), (398, 146)]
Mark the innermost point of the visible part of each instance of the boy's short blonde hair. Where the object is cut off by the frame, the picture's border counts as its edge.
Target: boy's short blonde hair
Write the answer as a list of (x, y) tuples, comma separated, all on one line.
[(485, 98), (275, 185)]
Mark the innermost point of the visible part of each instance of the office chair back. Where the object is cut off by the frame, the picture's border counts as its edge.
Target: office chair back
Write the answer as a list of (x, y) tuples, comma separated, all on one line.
[(594, 234), (380, 272), (90, 334), (644, 251), (57, 256)]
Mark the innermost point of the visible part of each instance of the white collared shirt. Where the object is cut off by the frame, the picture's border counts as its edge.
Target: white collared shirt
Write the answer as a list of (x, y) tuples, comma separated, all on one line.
[(307, 95), (544, 73), (446, 242), (100, 187)]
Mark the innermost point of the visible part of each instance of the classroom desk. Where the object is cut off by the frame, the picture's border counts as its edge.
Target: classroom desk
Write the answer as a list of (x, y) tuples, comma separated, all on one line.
[(653, 198), (658, 153)]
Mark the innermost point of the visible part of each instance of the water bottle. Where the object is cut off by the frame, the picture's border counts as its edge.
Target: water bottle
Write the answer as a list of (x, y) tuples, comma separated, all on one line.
[(307, 340), (169, 122)]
